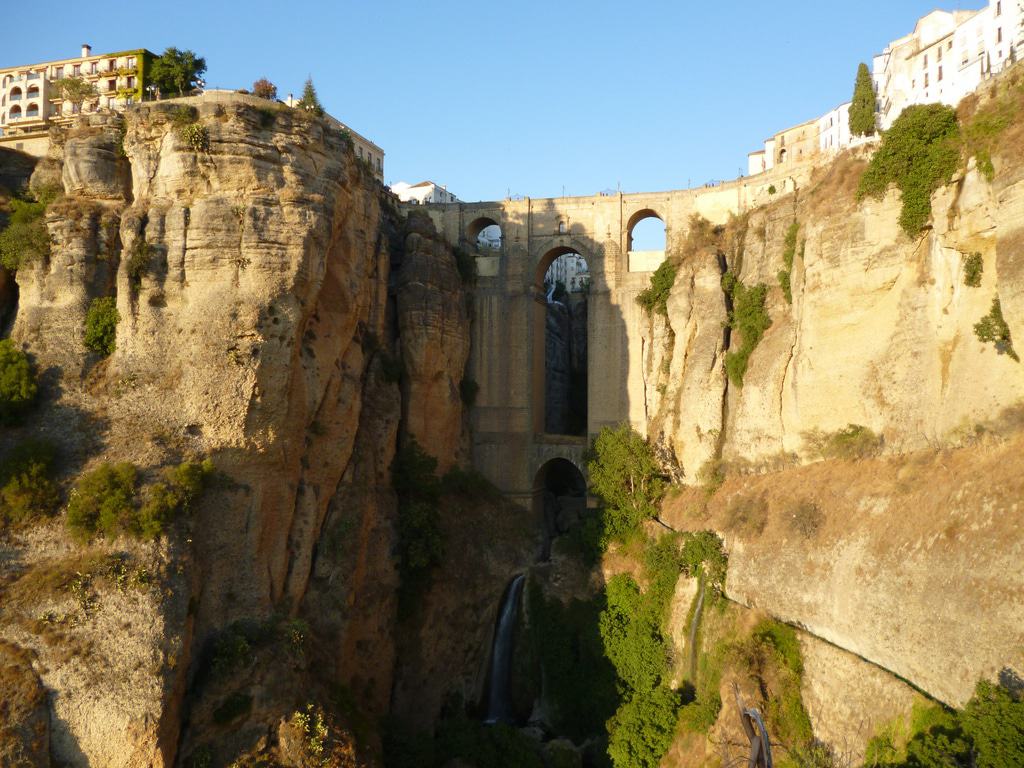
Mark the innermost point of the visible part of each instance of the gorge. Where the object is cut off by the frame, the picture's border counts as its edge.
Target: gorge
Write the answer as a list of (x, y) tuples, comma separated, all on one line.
[(406, 486)]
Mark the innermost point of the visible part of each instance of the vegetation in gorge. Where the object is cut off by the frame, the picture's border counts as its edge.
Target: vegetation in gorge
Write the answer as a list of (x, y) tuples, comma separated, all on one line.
[(26, 239), (992, 328), (18, 387), (749, 318), (105, 501), (420, 541), (27, 488), (987, 733), (854, 441), (974, 267), (862, 107), (101, 325), (918, 154), (625, 475)]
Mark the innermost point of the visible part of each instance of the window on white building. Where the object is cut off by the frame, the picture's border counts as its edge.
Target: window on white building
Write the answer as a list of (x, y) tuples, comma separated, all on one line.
[(939, 78), (77, 70), (58, 73), (999, 8), (92, 68), (131, 62), (999, 35)]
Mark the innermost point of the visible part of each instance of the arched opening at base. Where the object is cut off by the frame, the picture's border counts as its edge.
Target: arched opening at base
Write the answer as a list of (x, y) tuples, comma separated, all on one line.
[(560, 497)]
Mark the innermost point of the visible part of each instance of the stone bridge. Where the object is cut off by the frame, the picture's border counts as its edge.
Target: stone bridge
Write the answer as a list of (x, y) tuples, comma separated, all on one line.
[(507, 361)]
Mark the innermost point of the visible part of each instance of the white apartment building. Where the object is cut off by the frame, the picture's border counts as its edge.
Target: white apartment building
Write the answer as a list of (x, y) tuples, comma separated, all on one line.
[(422, 193), (571, 270), (947, 56), (30, 98)]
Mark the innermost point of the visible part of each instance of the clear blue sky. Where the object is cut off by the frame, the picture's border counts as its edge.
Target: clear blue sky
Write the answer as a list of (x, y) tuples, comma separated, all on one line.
[(527, 97)]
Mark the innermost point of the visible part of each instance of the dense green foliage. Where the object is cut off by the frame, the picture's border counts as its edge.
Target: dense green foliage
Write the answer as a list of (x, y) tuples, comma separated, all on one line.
[(625, 475), (987, 733), (310, 101), (579, 681), (420, 539), (632, 629), (918, 154), (862, 108), (25, 239), (101, 325), (655, 298), (974, 267), (749, 318), (992, 328), (177, 71), (17, 383), (27, 490), (703, 555), (105, 500)]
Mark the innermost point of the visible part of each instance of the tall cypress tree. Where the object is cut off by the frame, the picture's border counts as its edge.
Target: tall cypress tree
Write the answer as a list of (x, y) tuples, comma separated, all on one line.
[(309, 100), (862, 110)]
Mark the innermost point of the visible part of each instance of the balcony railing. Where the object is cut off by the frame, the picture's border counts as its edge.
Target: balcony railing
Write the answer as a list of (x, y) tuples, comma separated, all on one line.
[(15, 97)]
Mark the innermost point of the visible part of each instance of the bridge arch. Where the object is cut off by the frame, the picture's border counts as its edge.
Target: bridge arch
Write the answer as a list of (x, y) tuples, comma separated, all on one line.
[(484, 232), (560, 360), (649, 230), (559, 498)]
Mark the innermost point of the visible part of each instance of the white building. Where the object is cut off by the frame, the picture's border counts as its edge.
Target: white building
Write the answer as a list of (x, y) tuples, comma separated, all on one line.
[(569, 269), (947, 56), (422, 193)]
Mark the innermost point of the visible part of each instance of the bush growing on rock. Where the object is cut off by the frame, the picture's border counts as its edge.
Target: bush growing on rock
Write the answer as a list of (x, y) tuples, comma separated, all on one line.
[(26, 239), (655, 298), (918, 154), (974, 266), (17, 383), (27, 490), (626, 476), (749, 318), (103, 501), (101, 325), (992, 328)]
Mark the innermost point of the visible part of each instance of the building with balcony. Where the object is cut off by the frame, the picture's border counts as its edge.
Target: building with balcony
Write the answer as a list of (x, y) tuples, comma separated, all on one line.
[(30, 96)]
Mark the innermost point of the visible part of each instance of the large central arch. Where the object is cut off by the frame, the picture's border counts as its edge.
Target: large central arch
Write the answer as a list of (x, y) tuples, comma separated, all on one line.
[(575, 421)]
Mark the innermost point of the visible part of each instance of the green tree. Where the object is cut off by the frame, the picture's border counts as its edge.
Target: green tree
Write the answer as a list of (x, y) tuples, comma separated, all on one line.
[(862, 109), (27, 490), (177, 71), (76, 90), (101, 325), (625, 474), (309, 100), (17, 383), (994, 721)]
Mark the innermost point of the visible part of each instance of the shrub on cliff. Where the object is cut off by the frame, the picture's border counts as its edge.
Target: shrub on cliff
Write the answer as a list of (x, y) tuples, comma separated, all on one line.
[(166, 500), (974, 267), (27, 490), (25, 238), (918, 154), (102, 501), (655, 298), (992, 328), (862, 108), (17, 383), (626, 476), (177, 71), (101, 325), (749, 318)]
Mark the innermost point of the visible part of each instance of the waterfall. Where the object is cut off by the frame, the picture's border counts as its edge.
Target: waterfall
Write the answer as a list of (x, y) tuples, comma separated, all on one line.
[(499, 703)]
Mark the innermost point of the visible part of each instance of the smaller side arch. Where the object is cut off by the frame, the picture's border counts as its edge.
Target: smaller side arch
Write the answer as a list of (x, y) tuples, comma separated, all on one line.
[(560, 499), (484, 232), (638, 219)]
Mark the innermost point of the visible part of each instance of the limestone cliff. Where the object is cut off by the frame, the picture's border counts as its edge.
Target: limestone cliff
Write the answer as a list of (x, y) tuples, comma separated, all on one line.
[(260, 325)]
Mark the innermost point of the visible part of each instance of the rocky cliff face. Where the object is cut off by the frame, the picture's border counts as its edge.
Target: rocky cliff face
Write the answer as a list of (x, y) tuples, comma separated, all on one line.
[(251, 275), (901, 560)]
